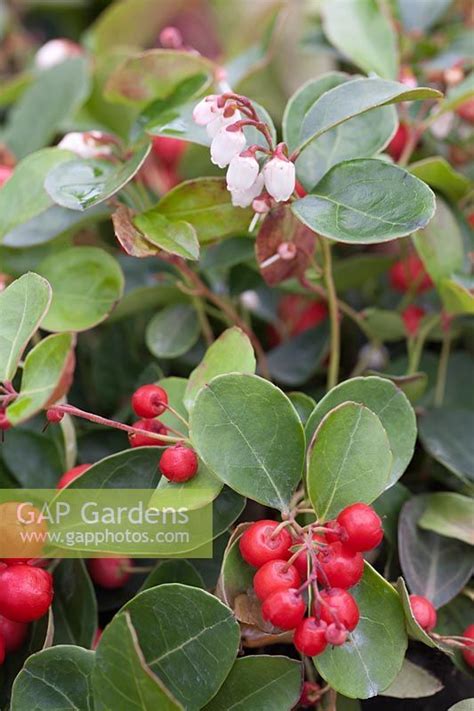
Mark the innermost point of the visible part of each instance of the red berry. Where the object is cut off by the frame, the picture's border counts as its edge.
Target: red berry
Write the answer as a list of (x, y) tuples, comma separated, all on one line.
[(466, 111), (284, 609), (5, 424), (71, 475), (141, 440), (470, 219), (341, 566), (16, 561), (26, 592), (310, 695), (53, 415), (2, 650), (12, 633), (398, 142), (468, 652), (169, 150), (110, 573), (412, 317), (310, 637), (259, 544), (5, 174), (301, 561), (361, 527), (300, 190), (340, 607), (336, 635), (179, 463), (149, 401), (423, 612), (275, 575), (407, 272)]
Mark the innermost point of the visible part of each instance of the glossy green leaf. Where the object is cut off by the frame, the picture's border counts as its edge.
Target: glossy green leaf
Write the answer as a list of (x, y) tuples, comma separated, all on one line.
[(450, 515), (23, 306), (81, 184), (388, 403), (232, 352), (132, 469), (23, 196), (172, 331), (54, 97), (432, 565), (366, 201), (414, 386), (364, 34), (56, 678), (205, 204), (121, 674), (74, 604), (236, 576), (191, 658), (173, 237), (45, 367), (86, 283), (447, 436), (441, 256), (353, 98), (260, 683), (439, 174), (373, 656), (413, 682), (258, 456), (173, 571), (349, 460)]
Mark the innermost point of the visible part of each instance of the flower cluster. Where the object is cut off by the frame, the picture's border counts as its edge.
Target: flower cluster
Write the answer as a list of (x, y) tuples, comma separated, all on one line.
[(225, 116)]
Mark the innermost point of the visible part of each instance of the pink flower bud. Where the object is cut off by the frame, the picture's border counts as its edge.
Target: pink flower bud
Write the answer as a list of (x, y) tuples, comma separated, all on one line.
[(225, 145), (55, 52), (279, 174), (206, 110), (242, 172), (86, 145), (244, 198)]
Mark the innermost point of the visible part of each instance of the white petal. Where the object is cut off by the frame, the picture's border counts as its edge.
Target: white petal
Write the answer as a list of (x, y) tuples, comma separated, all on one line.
[(85, 145), (242, 172), (206, 110), (55, 52), (279, 178), (221, 121), (225, 145), (244, 198)]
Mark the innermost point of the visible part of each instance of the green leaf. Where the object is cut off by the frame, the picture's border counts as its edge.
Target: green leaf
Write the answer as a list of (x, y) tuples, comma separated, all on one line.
[(74, 605), (432, 565), (232, 352), (364, 34), (294, 361), (33, 459), (353, 98), (23, 196), (173, 237), (450, 515), (86, 283), (421, 16), (236, 576), (465, 705), (349, 460), (354, 272), (175, 389), (205, 203), (303, 404), (365, 202), (188, 638), (260, 683), (56, 678), (201, 490), (121, 672), (358, 137), (441, 257), (438, 173), (173, 571), (172, 331), (413, 628), (388, 507), (388, 403), (413, 386), (23, 306), (456, 298), (258, 456), (454, 618), (80, 184), (45, 367), (413, 682), (455, 96), (54, 97), (131, 469), (384, 325), (156, 74), (447, 436), (373, 656)]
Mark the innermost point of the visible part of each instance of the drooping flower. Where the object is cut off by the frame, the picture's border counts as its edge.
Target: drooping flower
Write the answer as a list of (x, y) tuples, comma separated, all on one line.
[(56, 51), (242, 172), (280, 179), (244, 198), (226, 144), (206, 110)]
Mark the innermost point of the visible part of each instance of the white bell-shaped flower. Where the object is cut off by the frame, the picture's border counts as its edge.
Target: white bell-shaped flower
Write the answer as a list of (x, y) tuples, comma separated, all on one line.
[(279, 175), (242, 172), (244, 198), (55, 52), (225, 145), (221, 121), (86, 145), (206, 110)]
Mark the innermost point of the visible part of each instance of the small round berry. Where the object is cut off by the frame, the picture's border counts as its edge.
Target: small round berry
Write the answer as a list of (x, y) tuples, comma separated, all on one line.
[(168, 150), (5, 423), (179, 463), (361, 526), (284, 609), (310, 637), (149, 401), (13, 633), (398, 142), (405, 273), (341, 567), (259, 543), (53, 415), (2, 650), (423, 612), (301, 561), (336, 635), (412, 317), (467, 652), (26, 592), (141, 440), (310, 695), (340, 607), (275, 575), (110, 573), (16, 561), (71, 475)]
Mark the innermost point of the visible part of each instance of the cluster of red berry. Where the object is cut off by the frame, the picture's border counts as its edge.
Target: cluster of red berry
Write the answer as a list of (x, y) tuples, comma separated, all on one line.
[(327, 558), (26, 594)]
